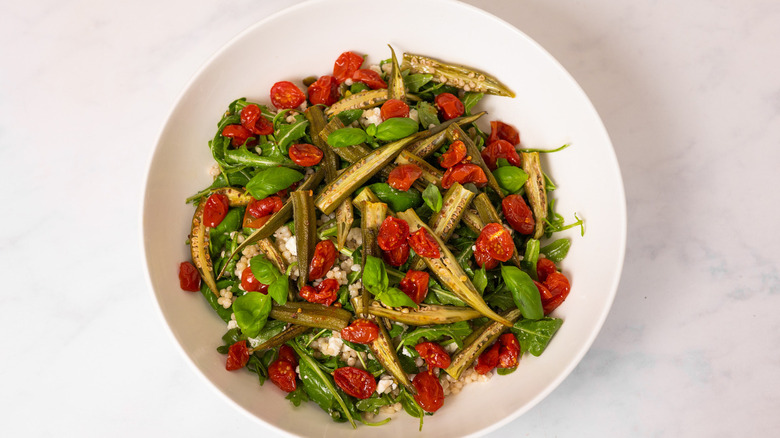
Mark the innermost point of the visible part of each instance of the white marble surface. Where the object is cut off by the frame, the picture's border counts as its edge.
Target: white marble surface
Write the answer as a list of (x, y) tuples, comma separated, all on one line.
[(689, 91)]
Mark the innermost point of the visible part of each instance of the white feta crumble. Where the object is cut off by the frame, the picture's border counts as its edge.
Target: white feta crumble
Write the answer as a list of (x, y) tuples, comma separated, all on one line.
[(291, 246)]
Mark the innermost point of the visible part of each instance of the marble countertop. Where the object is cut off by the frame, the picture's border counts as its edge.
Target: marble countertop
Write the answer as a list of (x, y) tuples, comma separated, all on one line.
[(689, 92)]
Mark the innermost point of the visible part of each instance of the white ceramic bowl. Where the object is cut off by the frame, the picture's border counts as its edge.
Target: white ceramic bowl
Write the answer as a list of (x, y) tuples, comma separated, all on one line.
[(550, 109)]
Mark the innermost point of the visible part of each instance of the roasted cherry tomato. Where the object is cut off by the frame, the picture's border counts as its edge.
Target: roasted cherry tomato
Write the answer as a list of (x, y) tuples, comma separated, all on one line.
[(559, 287), (324, 90), (326, 292), (250, 284), (324, 256), (282, 374), (495, 239), (488, 359), (502, 131), (454, 155), (260, 211), (396, 257), (484, 259), (286, 95), (464, 173), (394, 108), (415, 284), (449, 106), (424, 244), (392, 233), (189, 277), (544, 292), (238, 356), (433, 354), (403, 176), (355, 382), (252, 119), (518, 214), (370, 78), (509, 352), (346, 65), (215, 210), (237, 134), (361, 331), (305, 154), (500, 149), (287, 353), (430, 394), (544, 267)]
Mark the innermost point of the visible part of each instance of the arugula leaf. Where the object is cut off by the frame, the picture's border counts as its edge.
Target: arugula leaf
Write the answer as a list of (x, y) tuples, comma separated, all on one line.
[(287, 134), (272, 328), (394, 297), (557, 250), (375, 276), (501, 298), (531, 256), (415, 81), (524, 292), (373, 403), (397, 200), (298, 396), (410, 406), (470, 99), (480, 280), (245, 157), (269, 181), (256, 365), (457, 331), (251, 310), (432, 197), (319, 386), (427, 114), (347, 137), (535, 335)]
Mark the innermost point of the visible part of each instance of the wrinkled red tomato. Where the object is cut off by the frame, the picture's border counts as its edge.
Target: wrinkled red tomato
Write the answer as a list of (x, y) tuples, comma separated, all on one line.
[(430, 394), (282, 374), (424, 244), (501, 131), (392, 233), (398, 256), (324, 256), (238, 356), (189, 277), (346, 65), (433, 354), (415, 285), (305, 154), (544, 293), (495, 239), (449, 106), (253, 120), (464, 173), (518, 214), (488, 359), (544, 267), (500, 149), (403, 176), (237, 134), (215, 210), (370, 78), (326, 292), (509, 352), (250, 284), (324, 90), (559, 287), (286, 95), (287, 353), (482, 258), (454, 155), (355, 382), (361, 331), (258, 212), (394, 108)]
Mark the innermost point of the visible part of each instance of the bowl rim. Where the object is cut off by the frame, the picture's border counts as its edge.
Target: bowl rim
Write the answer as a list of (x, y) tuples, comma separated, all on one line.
[(621, 232)]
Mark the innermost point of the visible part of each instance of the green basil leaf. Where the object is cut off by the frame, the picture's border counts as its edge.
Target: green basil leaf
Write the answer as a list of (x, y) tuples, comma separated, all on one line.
[(535, 335), (470, 99), (397, 200), (371, 130), (415, 81), (505, 371), (480, 279), (214, 303), (432, 197), (524, 292), (347, 137), (557, 250), (510, 178), (269, 181), (427, 114), (457, 331), (252, 311), (287, 134), (264, 271), (375, 276), (531, 256), (279, 288), (349, 116), (394, 297), (396, 128), (357, 87)]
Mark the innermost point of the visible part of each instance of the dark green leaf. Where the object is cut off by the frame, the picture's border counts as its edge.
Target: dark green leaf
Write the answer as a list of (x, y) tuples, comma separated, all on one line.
[(432, 197), (287, 134), (398, 200), (535, 335), (457, 331), (395, 129), (557, 250), (410, 406), (406, 360), (415, 81), (298, 396), (510, 178), (501, 299), (268, 182), (375, 276), (357, 87), (347, 137), (505, 371), (480, 279), (212, 300), (272, 328), (470, 99), (524, 292), (257, 366), (264, 271), (373, 403), (244, 157), (279, 289), (395, 298), (251, 310), (427, 114), (349, 116)]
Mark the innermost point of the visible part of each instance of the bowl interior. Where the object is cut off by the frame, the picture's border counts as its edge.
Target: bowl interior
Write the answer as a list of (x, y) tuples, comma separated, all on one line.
[(550, 109)]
